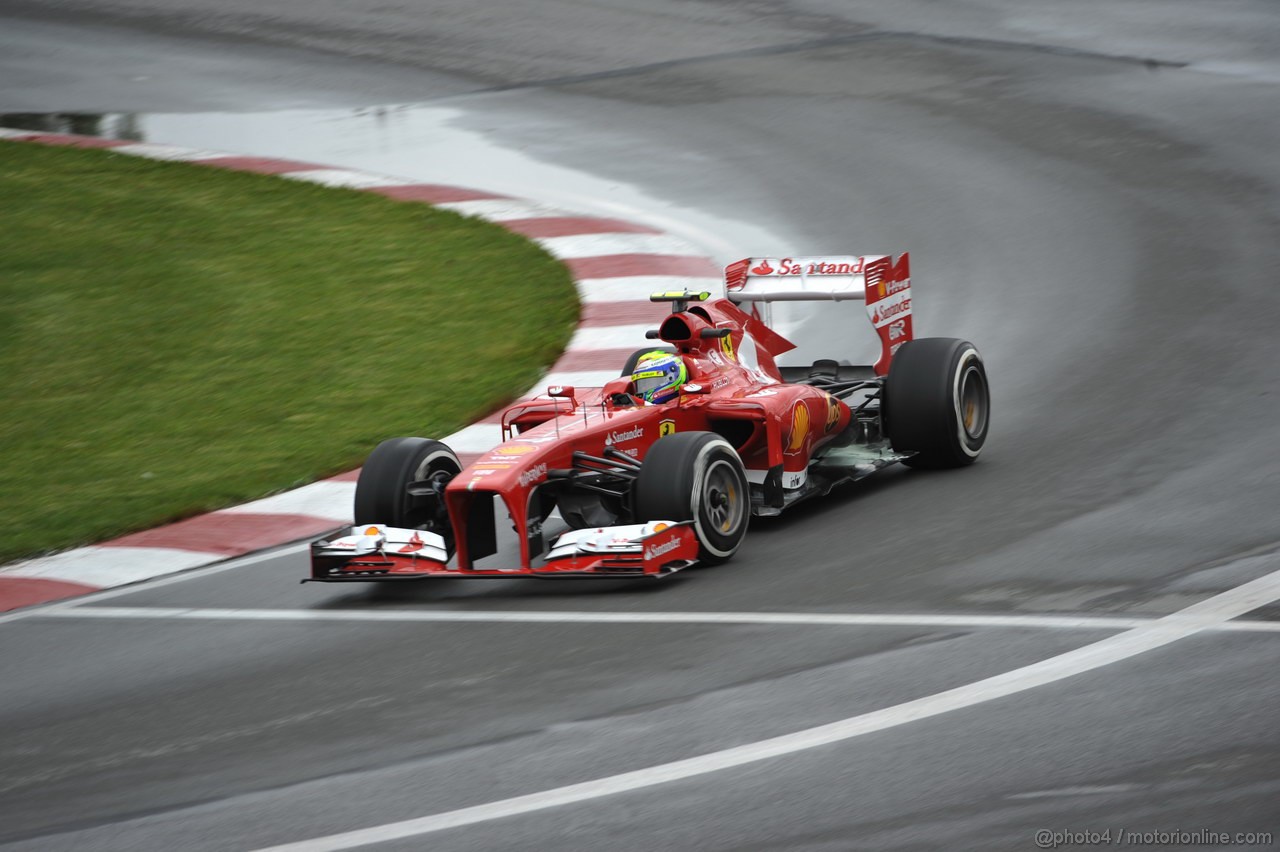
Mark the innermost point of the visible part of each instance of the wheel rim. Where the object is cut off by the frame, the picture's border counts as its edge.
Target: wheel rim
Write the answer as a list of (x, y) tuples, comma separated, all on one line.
[(722, 498), (438, 469), (973, 403)]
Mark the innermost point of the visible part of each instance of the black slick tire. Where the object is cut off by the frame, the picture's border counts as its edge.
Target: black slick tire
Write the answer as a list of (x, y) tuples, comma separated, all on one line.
[(696, 476), (937, 403), (382, 491)]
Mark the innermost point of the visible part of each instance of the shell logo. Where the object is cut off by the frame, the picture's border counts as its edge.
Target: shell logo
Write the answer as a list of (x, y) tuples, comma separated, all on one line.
[(799, 427), (514, 449)]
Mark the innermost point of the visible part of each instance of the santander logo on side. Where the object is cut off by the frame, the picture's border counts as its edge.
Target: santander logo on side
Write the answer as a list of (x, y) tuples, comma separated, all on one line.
[(653, 551)]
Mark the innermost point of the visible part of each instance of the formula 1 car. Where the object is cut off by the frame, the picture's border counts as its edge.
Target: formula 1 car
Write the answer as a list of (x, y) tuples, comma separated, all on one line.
[(644, 490)]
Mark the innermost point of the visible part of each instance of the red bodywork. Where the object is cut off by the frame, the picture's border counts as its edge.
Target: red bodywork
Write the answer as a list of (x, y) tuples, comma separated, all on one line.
[(734, 389)]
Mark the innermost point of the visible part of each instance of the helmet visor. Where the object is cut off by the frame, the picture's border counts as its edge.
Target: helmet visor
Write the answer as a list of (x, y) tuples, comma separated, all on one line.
[(650, 381)]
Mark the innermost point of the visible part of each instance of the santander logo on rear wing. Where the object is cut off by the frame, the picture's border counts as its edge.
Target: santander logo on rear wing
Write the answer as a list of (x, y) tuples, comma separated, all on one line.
[(885, 287)]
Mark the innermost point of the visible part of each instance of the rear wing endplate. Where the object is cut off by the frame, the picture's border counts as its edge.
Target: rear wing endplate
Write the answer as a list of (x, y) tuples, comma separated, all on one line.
[(884, 285)]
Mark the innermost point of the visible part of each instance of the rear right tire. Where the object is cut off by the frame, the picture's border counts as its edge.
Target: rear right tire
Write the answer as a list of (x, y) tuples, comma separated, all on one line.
[(936, 402)]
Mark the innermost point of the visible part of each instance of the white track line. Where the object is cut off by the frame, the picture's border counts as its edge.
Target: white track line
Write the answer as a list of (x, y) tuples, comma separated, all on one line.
[(1157, 634), (809, 619)]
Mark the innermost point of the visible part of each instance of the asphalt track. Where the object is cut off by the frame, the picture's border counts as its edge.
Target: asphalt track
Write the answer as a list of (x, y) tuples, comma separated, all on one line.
[(1089, 192)]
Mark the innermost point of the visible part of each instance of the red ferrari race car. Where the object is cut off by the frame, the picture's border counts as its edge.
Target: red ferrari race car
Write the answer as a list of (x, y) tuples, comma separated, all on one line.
[(664, 466)]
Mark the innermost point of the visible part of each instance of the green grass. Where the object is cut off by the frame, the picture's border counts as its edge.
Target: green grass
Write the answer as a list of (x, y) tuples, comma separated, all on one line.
[(177, 338)]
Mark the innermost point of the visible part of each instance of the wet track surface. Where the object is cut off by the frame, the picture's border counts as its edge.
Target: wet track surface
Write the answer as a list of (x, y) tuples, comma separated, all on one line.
[(1102, 226)]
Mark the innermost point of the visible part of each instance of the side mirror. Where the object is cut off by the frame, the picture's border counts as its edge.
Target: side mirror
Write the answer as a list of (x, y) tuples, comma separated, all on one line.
[(563, 392)]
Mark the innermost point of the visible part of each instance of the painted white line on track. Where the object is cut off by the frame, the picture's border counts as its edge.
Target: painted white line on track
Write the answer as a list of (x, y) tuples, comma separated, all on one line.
[(1157, 634), (808, 619)]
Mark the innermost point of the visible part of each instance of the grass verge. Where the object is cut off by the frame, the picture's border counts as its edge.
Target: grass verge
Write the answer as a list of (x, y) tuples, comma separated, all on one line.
[(177, 338)]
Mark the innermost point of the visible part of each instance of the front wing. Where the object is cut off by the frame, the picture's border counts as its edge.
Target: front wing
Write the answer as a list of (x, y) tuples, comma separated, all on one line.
[(378, 552)]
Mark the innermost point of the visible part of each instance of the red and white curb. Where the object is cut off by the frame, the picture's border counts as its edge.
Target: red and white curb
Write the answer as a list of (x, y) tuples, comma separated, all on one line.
[(615, 265)]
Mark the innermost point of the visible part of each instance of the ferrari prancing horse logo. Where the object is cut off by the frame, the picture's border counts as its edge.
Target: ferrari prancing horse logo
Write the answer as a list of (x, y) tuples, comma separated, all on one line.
[(666, 427), (726, 346)]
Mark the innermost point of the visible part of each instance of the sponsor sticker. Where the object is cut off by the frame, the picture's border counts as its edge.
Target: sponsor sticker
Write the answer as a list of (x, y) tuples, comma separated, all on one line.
[(726, 346), (794, 479), (833, 412), (891, 308), (619, 437), (415, 544), (533, 474), (653, 551), (799, 427), (666, 427), (514, 449), (809, 266)]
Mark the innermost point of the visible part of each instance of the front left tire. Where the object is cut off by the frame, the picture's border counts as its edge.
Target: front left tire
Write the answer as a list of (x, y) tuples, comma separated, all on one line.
[(382, 491)]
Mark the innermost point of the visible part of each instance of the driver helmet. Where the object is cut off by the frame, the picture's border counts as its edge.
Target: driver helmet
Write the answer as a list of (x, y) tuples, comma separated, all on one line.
[(658, 376)]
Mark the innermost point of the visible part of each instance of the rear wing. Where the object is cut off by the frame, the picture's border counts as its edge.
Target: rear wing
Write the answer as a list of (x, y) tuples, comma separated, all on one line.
[(884, 285)]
